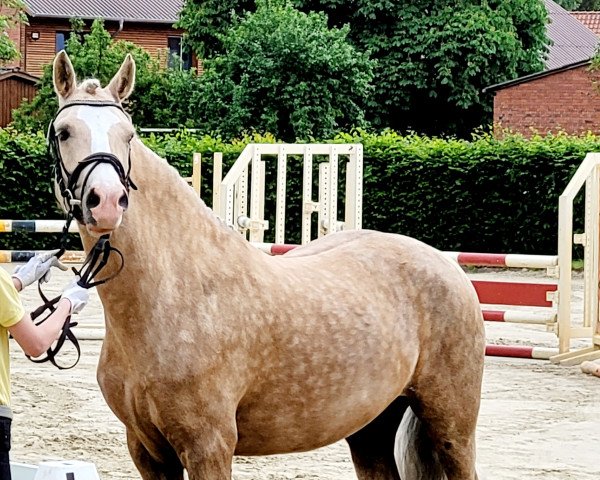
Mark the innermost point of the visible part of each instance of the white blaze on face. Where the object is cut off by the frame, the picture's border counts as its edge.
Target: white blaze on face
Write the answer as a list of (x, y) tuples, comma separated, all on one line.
[(99, 120)]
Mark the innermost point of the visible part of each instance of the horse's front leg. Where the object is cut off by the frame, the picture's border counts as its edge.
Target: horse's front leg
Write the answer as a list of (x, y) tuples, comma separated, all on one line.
[(152, 467), (206, 446)]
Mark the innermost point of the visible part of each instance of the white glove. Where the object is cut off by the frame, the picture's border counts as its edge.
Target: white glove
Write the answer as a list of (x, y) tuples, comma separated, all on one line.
[(78, 296), (38, 268)]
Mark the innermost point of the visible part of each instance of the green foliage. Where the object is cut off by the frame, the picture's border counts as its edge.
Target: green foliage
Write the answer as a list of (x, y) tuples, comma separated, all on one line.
[(432, 68), (11, 15), (595, 62), (287, 73), (481, 195), (588, 6), (580, 5), (205, 23), (434, 57), (160, 97), (569, 4), (26, 189)]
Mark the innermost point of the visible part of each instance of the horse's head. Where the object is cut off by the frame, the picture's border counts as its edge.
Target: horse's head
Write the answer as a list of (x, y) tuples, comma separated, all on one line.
[(90, 141)]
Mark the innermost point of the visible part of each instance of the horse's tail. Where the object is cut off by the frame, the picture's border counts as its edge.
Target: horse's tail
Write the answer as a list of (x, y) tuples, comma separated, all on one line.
[(415, 455)]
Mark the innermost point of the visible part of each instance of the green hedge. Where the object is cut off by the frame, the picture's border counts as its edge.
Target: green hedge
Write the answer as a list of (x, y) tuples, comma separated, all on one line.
[(482, 195), (485, 195), (25, 191)]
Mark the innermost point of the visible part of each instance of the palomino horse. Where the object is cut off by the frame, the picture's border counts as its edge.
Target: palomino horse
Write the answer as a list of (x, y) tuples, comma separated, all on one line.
[(215, 349)]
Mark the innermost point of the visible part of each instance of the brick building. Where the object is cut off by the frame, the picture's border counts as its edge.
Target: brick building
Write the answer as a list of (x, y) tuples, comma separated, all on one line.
[(564, 96), (565, 99)]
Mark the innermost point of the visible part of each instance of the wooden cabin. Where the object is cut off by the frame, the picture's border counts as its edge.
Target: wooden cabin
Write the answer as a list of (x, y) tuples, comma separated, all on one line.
[(15, 86), (147, 23)]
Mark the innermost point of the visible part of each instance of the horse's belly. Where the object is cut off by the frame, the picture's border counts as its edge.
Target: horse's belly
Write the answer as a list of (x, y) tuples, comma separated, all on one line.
[(293, 417), (288, 433)]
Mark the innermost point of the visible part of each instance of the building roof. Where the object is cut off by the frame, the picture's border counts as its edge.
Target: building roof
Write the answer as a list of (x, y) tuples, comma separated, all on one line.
[(589, 19), (146, 11), (534, 76), (571, 40), (6, 73), (573, 46)]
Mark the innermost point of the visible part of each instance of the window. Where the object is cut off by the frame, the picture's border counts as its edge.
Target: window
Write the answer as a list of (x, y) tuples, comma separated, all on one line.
[(179, 54), (62, 37), (61, 41)]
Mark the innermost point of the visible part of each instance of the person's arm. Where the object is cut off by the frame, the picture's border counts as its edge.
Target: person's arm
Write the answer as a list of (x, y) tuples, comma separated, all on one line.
[(17, 283), (36, 339)]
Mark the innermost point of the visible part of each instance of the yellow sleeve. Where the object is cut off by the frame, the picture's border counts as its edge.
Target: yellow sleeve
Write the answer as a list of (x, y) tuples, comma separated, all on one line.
[(11, 308)]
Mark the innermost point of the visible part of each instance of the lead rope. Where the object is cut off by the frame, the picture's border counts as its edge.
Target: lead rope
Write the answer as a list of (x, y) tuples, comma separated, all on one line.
[(95, 261)]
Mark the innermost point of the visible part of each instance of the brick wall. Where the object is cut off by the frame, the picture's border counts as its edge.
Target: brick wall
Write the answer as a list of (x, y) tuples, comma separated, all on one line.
[(14, 34), (567, 100)]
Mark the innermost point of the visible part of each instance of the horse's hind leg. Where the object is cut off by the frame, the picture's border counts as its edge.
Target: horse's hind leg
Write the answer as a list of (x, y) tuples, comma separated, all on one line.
[(372, 447), (448, 406), (150, 468)]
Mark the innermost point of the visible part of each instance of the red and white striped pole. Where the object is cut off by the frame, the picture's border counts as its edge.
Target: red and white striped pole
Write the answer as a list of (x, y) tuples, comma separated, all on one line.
[(520, 351)]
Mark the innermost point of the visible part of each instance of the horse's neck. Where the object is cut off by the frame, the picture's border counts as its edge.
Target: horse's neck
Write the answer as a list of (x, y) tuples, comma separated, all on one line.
[(169, 239)]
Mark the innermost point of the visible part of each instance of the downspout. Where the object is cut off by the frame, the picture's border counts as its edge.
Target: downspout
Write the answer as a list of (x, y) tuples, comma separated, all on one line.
[(112, 35), (119, 30)]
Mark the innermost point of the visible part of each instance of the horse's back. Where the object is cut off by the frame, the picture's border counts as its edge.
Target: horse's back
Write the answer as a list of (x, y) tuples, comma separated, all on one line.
[(406, 263)]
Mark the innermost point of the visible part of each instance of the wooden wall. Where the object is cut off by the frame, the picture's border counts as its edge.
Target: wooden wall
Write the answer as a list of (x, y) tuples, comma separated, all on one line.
[(13, 89), (37, 53)]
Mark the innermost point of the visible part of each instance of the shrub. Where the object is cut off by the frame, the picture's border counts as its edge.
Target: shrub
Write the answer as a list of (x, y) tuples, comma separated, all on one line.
[(482, 195), (287, 73)]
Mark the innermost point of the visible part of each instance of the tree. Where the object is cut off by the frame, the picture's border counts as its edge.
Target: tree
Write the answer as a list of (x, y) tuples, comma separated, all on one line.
[(11, 14), (286, 73), (206, 23), (434, 57), (588, 6), (580, 5), (569, 4), (160, 97)]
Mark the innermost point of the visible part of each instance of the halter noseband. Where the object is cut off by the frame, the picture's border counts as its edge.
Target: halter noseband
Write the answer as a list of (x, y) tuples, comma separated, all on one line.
[(72, 204)]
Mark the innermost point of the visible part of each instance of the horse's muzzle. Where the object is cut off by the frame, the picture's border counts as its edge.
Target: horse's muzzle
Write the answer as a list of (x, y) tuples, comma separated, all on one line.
[(103, 209)]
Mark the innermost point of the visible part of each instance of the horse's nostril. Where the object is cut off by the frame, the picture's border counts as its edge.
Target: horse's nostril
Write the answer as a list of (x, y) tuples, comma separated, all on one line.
[(124, 201), (92, 200)]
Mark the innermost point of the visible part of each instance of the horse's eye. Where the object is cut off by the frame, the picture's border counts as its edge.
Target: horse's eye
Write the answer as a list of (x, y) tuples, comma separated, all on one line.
[(63, 135)]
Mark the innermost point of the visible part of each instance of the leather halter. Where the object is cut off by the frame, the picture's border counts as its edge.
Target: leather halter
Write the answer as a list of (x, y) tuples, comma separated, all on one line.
[(67, 188)]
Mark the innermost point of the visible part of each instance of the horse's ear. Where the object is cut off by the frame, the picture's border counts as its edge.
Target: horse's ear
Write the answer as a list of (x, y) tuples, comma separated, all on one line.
[(63, 75), (122, 83)]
